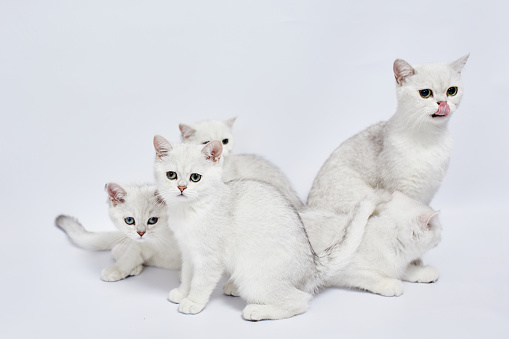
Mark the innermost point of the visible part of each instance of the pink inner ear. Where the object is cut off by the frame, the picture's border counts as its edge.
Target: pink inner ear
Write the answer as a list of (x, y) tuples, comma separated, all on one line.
[(213, 150), (402, 70), (116, 193), (162, 146), (186, 131)]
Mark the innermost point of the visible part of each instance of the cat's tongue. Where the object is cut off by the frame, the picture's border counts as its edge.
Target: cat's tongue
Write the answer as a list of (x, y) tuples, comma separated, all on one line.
[(443, 110)]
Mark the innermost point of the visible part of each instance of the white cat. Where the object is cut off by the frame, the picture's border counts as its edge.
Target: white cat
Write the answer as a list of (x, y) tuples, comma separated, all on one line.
[(409, 153), (238, 166), (400, 231), (245, 229), (143, 236)]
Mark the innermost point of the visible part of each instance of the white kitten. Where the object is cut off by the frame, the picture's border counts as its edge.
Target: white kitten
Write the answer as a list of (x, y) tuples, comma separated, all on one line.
[(143, 237), (238, 166), (246, 229), (402, 231), (409, 153)]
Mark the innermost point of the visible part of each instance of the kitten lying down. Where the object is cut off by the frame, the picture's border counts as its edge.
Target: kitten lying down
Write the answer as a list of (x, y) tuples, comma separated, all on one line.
[(246, 229), (399, 232), (143, 236)]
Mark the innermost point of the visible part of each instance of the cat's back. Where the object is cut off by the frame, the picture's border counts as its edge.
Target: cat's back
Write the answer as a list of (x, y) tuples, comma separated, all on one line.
[(350, 170), (253, 167)]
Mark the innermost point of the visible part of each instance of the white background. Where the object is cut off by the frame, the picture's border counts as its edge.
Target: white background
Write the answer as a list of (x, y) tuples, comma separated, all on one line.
[(85, 85)]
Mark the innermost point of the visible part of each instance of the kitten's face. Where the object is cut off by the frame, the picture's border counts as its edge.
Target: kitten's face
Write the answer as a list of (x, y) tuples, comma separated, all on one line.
[(185, 172), (137, 210), (203, 132), (428, 93)]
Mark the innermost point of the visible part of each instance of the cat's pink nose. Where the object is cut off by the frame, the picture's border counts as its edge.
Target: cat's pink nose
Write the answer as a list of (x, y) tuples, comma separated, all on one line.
[(141, 233), (182, 188)]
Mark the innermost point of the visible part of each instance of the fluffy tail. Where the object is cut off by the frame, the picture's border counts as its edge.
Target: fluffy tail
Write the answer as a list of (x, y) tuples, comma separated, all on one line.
[(98, 241), (335, 258)]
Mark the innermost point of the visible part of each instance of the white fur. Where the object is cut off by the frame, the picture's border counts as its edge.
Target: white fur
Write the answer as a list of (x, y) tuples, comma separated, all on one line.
[(402, 231), (245, 229), (238, 166), (155, 247), (409, 153)]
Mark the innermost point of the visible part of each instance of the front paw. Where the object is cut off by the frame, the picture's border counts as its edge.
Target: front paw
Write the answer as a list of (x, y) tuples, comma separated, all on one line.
[(112, 273), (427, 274), (230, 289), (176, 296), (190, 307), (389, 288)]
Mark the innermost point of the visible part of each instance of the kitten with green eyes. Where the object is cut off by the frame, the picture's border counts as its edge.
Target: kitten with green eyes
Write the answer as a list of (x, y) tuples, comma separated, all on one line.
[(238, 166), (143, 236), (408, 153)]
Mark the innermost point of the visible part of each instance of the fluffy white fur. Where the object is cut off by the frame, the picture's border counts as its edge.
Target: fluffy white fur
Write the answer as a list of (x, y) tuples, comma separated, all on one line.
[(401, 231), (409, 153), (245, 229), (238, 166), (146, 240)]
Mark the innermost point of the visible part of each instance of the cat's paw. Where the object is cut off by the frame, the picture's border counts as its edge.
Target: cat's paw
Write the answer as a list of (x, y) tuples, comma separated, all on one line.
[(388, 288), (112, 273), (137, 270), (230, 289), (188, 306), (424, 274), (176, 296)]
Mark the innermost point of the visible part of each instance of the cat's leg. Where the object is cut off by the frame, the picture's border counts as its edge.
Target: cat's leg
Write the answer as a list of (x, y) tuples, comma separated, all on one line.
[(373, 282), (230, 289), (128, 261), (293, 303), (420, 274), (205, 278), (186, 275)]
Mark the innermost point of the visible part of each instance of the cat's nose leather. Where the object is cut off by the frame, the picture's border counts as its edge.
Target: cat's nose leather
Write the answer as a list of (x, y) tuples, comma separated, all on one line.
[(182, 188), (141, 233)]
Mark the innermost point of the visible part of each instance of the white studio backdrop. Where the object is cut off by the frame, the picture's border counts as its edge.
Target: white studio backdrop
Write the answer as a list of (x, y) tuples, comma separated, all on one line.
[(84, 86)]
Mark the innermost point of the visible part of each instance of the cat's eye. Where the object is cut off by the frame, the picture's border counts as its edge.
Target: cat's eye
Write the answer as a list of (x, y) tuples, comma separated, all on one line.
[(129, 220), (452, 91), (195, 177), (205, 142), (171, 175), (225, 141), (152, 221), (425, 93)]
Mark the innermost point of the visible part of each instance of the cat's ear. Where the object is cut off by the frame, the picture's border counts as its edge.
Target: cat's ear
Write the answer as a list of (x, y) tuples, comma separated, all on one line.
[(458, 65), (116, 193), (159, 198), (186, 131), (230, 122), (425, 219), (213, 150), (162, 146), (402, 70)]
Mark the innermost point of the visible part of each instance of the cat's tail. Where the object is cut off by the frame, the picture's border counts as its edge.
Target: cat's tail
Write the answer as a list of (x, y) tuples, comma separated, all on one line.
[(335, 258), (98, 241)]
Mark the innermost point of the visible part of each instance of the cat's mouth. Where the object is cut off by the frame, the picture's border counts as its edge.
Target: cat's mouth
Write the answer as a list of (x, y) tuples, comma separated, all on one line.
[(443, 110)]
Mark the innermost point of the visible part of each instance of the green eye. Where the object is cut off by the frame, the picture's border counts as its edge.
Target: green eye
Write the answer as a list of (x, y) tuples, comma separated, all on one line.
[(171, 175), (225, 141), (129, 220), (195, 177), (452, 91), (425, 93), (152, 221)]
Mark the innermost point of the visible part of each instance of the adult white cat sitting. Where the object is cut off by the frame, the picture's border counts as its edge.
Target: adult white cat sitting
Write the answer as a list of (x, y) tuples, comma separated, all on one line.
[(408, 153)]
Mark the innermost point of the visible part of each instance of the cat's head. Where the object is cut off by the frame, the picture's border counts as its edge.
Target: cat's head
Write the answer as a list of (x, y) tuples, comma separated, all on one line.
[(203, 132), (187, 172), (429, 93), (416, 225), (136, 210)]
